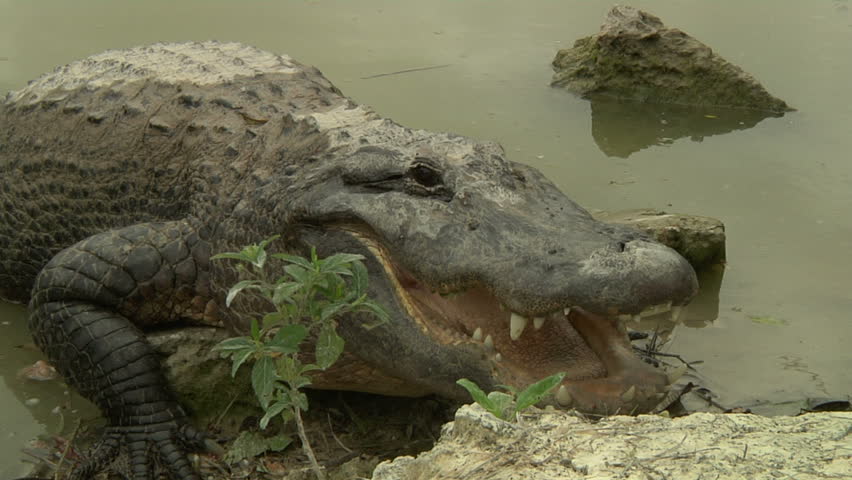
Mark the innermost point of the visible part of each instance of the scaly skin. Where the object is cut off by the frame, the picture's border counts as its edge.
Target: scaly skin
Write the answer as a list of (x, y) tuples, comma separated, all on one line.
[(120, 174), (81, 304)]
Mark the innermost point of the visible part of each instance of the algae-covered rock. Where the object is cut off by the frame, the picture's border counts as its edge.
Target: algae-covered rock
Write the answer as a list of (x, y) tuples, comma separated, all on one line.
[(635, 57), (199, 376), (556, 445)]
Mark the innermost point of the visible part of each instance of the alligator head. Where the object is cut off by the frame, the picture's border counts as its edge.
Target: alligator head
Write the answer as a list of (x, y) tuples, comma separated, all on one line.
[(490, 271)]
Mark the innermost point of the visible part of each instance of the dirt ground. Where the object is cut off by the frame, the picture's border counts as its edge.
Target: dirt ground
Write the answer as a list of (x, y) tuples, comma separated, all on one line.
[(350, 434)]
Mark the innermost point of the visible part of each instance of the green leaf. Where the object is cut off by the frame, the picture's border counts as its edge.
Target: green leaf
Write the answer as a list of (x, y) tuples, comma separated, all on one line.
[(330, 310), (273, 319), (377, 310), (300, 400), (502, 404), (260, 259), (535, 392), (234, 343), (299, 381), (479, 396), (239, 358), (359, 279), (269, 240), (309, 367), (284, 292), (251, 444), (233, 255), (287, 367), (279, 442), (263, 378), (255, 330), (238, 287), (294, 259), (297, 272), (272, 411), (509, 388), (340, 264), (329, 346), (287, 339)]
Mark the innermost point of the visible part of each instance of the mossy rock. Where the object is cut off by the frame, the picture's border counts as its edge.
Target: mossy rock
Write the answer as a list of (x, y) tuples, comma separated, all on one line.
[(635, 57)]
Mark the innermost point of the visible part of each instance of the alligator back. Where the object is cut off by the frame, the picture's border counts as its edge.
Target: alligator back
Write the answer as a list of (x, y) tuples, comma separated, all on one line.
[(154, 133)]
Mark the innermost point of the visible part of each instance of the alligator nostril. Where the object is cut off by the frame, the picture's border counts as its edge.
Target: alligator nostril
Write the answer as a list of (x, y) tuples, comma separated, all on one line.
[(621, 246)]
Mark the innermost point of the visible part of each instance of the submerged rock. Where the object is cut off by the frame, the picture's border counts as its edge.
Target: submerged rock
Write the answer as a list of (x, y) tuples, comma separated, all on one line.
[(635, 57), (551, 445)]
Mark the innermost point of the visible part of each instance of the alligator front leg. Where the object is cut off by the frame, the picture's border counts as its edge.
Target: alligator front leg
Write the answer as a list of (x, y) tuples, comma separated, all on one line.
[(85, 308)]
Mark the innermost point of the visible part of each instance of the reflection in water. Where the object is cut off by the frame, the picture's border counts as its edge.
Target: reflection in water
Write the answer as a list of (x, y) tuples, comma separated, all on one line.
[(621, 128), (704, 308), (702, 311)]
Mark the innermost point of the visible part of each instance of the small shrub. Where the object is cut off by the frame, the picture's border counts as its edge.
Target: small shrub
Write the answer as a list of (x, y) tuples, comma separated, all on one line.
[(507, 405), (307, 299)]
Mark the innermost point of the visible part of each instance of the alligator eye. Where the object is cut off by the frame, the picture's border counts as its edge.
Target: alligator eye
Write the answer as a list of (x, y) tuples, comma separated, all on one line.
[(425, 175)]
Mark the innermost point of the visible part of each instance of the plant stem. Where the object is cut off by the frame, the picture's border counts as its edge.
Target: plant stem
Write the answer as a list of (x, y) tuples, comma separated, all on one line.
[(306, 445)]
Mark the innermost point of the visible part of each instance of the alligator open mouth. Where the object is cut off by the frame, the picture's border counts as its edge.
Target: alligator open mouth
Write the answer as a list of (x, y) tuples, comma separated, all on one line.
[(603, 376)]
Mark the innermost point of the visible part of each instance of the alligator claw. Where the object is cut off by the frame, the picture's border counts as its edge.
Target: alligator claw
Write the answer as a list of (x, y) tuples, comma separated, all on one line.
[(143, 443)]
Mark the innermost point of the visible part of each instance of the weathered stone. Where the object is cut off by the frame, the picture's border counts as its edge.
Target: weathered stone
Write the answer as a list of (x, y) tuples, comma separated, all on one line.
[(701, 240), (199, 376), (635, 57), (557, 445)]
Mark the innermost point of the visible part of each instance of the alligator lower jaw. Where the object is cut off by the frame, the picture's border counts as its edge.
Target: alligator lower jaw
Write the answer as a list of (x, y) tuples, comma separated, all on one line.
[(603, 376)]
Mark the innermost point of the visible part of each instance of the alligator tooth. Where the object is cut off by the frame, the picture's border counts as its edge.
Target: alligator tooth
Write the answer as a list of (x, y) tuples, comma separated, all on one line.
[(498, 357), (567, 311), (676, 311), (538, 322), (563, 397), (674, 374), (629, 394), (517, 324), (625, 317), (477, 334), (637, 318), (489, 343)]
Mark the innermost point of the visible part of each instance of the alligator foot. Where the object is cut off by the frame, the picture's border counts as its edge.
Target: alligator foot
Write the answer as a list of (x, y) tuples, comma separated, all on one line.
[(165, 443), (83, 308)]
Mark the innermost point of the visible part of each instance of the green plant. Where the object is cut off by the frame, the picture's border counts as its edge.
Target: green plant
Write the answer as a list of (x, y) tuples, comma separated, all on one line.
[(305, 301), (507, 406)]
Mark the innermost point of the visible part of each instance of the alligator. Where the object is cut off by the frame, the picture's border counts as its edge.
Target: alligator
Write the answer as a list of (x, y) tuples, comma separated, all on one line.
[(121, 174)]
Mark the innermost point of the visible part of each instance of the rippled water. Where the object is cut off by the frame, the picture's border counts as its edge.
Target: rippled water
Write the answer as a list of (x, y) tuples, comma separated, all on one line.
[(782, 186)]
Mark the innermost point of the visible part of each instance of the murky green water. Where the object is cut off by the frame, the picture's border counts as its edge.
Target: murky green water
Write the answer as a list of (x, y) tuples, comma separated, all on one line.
[(782, 187)]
